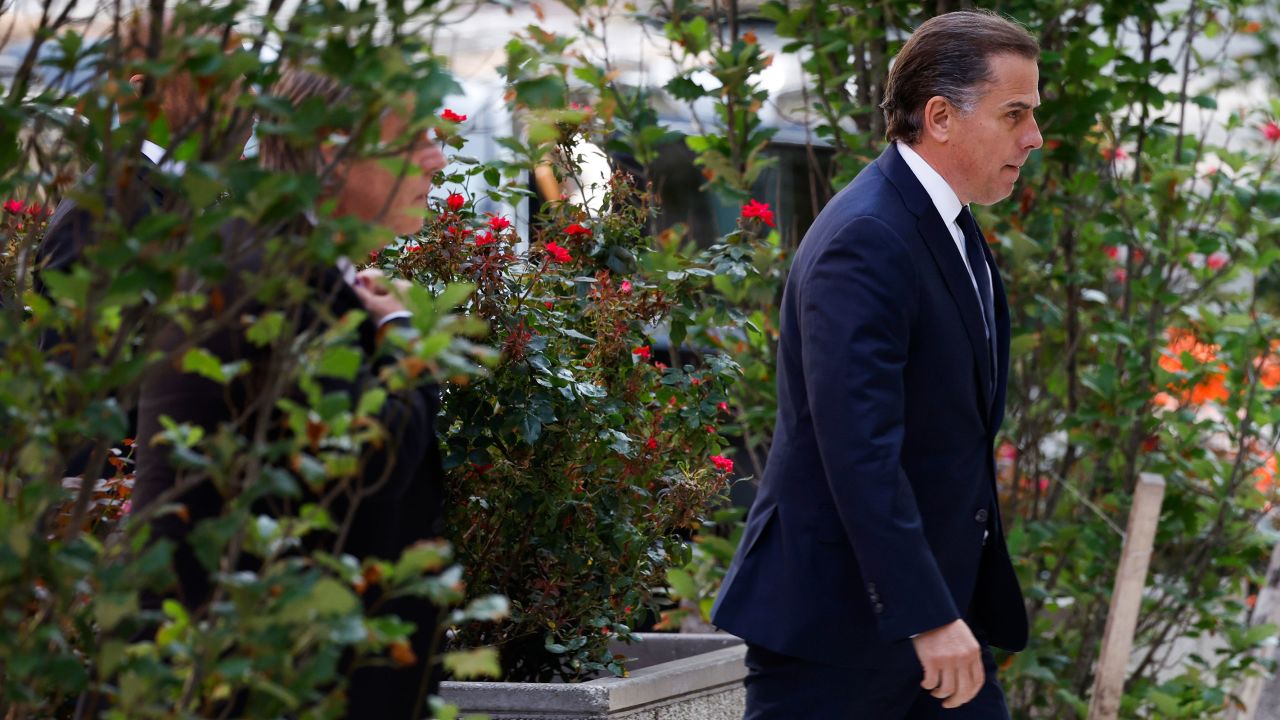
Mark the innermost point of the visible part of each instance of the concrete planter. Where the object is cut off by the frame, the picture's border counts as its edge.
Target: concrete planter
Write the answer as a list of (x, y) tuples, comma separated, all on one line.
[(674, 677)]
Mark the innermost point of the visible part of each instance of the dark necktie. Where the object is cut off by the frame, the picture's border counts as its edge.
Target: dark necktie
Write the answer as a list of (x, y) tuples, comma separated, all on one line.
[(982, 278)]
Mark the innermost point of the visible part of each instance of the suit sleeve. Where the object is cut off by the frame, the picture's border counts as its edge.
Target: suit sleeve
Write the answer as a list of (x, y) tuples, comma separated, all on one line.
[(855, 332), (62, 246)]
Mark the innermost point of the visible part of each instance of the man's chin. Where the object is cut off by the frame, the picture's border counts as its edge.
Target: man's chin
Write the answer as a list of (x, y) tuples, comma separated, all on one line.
[(996, 195)]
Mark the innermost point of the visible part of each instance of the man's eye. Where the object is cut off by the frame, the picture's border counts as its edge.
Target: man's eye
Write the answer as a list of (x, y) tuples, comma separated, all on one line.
[(1015, 114)]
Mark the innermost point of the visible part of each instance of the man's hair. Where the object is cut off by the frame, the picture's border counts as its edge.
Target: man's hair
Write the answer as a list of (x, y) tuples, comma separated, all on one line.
[(948, 56), (295, 87)]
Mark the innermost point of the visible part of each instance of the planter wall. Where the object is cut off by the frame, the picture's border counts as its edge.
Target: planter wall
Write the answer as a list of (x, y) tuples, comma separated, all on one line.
[(674, 677)]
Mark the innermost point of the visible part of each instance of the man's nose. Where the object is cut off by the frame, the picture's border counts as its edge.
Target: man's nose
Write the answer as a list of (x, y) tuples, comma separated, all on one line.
[(431, 159), (1033, 139)]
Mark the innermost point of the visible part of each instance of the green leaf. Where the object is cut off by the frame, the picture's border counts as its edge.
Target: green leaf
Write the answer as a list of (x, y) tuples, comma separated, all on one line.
[(424, 557), (570, 332), (473, 663), (326, 598), (339, 361), (1023, 344), (530, 427), (206, 364), (683, 88), (1256, 635), (371, 401), (490, 608), (543, 92), (454, 295), (682, 584), (110, 609), (1166, 704), (265, 329)]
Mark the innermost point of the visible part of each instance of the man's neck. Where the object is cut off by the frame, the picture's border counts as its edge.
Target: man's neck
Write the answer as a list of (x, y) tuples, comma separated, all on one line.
[(936, 156)]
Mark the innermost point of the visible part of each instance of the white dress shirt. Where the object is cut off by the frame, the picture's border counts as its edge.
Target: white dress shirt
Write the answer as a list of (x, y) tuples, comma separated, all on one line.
[(156, 154), (949, 207)]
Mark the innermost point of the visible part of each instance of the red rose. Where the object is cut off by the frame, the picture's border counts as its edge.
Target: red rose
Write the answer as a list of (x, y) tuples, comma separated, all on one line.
[(456, 202), (557, 253), (1271, 131), (452, 116), (722, 463), (724, 407), (576, 230), (34, 209), (1216, 261), (498, 224), (759, 211), (412, 248), (1112, 251), (485, 238), (373, 255), (643, 351), (626, 287), (16, 207), (652, 444)]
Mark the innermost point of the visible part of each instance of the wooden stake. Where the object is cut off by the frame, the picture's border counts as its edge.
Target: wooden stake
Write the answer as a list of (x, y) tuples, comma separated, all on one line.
[(1126, 598)]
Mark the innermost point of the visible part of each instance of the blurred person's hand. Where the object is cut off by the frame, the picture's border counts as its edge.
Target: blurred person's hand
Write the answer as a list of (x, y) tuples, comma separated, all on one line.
[(380, 297)]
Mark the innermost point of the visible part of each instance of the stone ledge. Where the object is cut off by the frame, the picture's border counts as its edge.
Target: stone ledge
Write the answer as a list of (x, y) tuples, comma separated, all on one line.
[(669, 669)]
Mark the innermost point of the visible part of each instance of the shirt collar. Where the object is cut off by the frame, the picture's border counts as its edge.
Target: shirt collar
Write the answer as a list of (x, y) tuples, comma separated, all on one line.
[(156, 154), (943, 197)]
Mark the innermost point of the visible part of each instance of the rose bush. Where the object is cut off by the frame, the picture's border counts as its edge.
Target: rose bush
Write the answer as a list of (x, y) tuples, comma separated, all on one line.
[(579, 463)]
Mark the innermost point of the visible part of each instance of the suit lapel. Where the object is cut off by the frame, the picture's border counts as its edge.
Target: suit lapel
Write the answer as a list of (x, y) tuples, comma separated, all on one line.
[(1003, 340), (942, 247)]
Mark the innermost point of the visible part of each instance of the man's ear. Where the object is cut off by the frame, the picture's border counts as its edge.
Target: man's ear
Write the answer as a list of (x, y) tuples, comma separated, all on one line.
[(136, 81), (938, 118)]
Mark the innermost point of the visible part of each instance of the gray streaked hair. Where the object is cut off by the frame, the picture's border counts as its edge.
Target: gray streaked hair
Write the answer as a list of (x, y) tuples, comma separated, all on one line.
[(947, 56), (295, 87)]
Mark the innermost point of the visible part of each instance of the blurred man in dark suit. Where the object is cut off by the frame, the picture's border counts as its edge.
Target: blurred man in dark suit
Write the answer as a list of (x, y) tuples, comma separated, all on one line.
[(873, 572), (136, 186), (395, 497)]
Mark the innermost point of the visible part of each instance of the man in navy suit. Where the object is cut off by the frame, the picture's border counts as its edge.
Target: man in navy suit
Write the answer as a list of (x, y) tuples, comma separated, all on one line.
[(873, 573)]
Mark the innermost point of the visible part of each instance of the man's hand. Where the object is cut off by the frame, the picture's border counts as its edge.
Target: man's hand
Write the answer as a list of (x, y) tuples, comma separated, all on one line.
[(379, 299), (952, 663)]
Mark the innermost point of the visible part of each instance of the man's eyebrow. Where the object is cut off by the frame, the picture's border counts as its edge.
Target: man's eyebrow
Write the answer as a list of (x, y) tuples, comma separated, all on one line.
[(1019, 105)]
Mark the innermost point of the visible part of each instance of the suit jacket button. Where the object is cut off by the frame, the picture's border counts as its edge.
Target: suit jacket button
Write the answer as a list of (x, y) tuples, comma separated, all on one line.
[(981, 515), (878, 607)]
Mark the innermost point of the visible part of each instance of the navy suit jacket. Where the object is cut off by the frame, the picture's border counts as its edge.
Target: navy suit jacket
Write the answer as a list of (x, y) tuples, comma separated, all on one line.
[(869, 524)]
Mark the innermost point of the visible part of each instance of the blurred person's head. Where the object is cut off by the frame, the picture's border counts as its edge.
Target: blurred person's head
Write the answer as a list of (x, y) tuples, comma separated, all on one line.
[(179, 97), (961, 93), (389, 189)]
